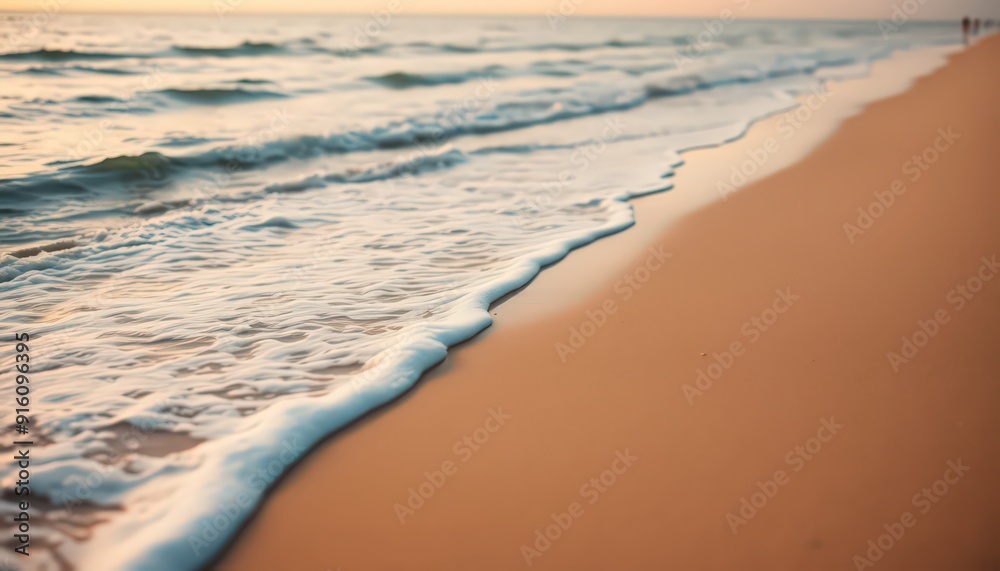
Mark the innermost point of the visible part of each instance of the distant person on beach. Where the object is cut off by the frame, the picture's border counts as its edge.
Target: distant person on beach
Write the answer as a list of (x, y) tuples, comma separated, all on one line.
[(975, 27), (965, 29)]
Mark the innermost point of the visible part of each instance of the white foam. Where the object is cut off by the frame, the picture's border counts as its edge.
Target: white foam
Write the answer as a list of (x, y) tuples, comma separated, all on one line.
[(314, 284)]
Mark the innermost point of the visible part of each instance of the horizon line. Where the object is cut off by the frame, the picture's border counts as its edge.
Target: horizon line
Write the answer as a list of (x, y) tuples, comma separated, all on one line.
[(466, 14)]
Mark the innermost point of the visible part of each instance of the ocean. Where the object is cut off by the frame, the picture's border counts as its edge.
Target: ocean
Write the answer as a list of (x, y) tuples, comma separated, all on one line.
[(229, 236)]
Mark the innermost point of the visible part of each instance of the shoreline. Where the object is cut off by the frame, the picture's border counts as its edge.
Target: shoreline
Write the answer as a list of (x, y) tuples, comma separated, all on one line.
[(316, 430), (694, 186), (423, 413)]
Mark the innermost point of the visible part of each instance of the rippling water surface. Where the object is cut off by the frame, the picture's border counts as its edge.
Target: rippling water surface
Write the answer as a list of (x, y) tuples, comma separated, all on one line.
[(230, 236)]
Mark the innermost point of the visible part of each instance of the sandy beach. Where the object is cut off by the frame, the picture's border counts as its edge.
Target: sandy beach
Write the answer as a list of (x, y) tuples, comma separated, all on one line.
[(781, 381)]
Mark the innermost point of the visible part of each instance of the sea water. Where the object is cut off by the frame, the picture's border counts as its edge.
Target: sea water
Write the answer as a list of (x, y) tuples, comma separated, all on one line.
[(229, 236)]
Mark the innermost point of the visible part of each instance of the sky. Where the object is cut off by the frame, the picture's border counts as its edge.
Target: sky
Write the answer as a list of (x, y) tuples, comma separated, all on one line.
[(839, 9)]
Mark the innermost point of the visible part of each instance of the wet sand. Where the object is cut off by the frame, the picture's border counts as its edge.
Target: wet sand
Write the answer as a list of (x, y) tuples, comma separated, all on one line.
[(815, 428)]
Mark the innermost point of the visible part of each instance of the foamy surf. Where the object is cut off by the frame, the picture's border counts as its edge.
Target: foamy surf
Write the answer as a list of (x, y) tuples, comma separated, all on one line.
[(210, 293)]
